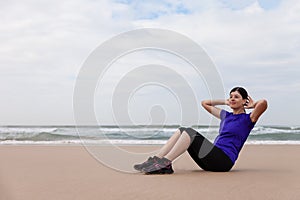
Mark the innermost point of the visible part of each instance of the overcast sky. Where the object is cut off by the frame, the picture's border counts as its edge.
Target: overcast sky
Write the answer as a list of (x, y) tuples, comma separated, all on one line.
[(255, 44)]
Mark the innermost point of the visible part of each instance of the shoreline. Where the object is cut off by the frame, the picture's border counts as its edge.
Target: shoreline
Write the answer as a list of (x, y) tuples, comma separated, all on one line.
[(130, 135), (107, 143), (71, 172)]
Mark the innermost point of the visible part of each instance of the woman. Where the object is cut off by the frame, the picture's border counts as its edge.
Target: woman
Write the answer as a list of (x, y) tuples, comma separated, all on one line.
[(221, 155)]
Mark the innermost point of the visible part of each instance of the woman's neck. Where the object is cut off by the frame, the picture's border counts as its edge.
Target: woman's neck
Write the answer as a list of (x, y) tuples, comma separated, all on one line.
[(239, 111)]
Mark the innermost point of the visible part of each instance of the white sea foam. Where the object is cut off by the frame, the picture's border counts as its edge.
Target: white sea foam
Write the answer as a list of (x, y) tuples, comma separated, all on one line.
[(133, 135), (128, 142), (274, 142)]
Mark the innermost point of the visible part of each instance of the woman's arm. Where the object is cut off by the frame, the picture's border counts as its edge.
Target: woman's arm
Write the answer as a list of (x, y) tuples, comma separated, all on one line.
[(210, 106), (259, 108)]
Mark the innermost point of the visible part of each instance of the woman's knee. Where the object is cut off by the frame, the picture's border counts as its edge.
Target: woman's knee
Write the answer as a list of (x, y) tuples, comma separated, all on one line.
[(181, 129), (189, 131)]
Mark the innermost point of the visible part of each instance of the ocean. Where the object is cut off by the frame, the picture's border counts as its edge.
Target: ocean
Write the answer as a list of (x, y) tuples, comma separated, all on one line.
[(131, 135)]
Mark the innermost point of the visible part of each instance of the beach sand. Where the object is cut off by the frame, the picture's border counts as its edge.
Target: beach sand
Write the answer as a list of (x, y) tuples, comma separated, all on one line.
[(70, 172)]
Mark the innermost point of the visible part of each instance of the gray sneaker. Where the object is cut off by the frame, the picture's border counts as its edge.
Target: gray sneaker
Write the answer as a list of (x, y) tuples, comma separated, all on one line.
[(162, 166), (147, 163)]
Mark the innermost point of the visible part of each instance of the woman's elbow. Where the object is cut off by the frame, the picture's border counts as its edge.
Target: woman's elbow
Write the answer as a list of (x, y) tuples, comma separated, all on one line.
[(264, 103), (204, 102)]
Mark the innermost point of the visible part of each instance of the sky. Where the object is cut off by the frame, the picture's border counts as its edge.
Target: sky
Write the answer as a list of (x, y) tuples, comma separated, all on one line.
[(44, 44)]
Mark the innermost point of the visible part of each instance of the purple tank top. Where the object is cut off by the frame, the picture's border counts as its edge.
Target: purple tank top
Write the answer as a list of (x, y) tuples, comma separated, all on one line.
[(234, 131)]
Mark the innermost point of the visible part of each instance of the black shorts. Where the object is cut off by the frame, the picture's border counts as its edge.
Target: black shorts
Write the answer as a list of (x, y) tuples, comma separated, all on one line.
[(206, 154)]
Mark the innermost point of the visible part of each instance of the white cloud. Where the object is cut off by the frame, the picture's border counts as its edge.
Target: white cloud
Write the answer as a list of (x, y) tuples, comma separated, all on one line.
[(264, 39), (43, 45)]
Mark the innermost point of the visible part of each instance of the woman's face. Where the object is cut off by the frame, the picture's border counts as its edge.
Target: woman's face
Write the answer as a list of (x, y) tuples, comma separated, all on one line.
[(236, 100)]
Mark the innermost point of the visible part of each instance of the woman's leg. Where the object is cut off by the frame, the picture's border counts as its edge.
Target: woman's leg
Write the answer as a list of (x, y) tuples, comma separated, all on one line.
[(206, 155), (176, 145), (170, 143), (203, 152), (162, 152), (180, 146)]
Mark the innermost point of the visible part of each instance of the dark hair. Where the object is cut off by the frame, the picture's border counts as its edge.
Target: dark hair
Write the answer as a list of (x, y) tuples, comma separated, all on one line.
[(242, 92)]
